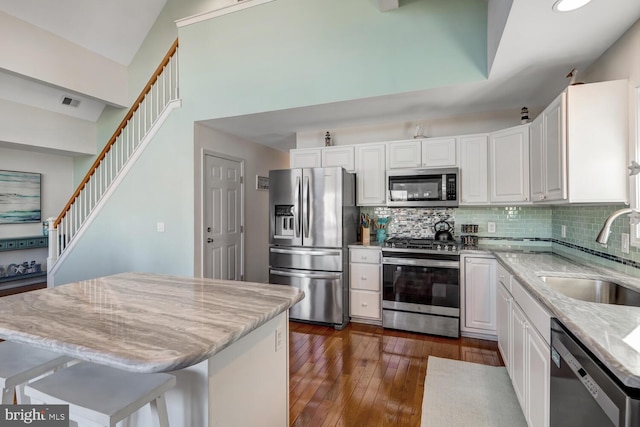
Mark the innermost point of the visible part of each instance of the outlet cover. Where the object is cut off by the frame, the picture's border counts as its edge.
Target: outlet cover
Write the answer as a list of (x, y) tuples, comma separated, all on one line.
[(491, 227), (563, 231), (160, 227)]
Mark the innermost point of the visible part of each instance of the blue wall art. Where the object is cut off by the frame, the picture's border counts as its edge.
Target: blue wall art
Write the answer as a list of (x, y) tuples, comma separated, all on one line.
[(19, 197)]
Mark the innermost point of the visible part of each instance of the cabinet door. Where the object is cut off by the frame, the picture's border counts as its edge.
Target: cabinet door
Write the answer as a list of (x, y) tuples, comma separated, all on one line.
[(365, 277), (518, 353), (509, 165), (473, 170), (480, 294), (305, 158), (554, 137), (339, 156), (538, 373), (365, 304), (503, 315), (439, 152), (536, 160), (404, 154), (371, 174)]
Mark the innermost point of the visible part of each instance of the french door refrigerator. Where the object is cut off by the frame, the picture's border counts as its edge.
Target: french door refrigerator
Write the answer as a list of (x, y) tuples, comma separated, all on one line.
[(312, 219)]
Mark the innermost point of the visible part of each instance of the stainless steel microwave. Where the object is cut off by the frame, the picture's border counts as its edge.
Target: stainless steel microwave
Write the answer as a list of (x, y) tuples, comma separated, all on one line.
[(423, 187)]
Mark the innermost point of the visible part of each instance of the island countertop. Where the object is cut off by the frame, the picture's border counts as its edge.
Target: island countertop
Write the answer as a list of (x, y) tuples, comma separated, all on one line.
[(611, 332), (142, 322)]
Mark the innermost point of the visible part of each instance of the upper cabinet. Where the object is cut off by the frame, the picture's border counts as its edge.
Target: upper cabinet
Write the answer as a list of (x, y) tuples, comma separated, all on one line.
[(509, 165), (323, 157), (579, 146), (439, 152), (305, 158), (339, 156), (371, 174), (422, 153), (474, 170)]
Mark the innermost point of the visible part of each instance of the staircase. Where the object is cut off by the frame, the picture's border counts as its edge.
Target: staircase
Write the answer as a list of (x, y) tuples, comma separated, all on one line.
[(150, 110)]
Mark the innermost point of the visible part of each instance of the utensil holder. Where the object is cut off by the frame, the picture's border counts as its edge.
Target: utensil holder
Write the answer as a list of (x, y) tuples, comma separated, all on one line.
[(365, 235), (381, 235)]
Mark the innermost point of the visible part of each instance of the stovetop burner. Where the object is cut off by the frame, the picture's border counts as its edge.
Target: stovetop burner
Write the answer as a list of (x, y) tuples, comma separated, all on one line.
[(422, 244)]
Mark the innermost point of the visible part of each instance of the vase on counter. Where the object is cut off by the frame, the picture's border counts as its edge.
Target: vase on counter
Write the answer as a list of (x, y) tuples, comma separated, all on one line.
[(381, 235)]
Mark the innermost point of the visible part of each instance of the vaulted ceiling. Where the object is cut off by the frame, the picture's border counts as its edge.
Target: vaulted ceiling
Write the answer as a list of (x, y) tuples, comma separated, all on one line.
[(529, 47)]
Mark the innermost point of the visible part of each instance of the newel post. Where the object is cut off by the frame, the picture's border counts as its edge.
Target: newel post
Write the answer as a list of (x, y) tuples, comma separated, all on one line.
[(53, 250)]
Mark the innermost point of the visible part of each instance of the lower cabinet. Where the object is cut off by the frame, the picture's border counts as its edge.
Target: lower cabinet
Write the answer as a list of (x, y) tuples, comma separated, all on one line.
[(478, 296), (365, 281), (525, 351)]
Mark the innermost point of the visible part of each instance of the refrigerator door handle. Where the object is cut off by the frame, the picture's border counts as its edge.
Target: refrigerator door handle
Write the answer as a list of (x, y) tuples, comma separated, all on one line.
[(306, 275), (296, 203), (306, 252), (307, 208)]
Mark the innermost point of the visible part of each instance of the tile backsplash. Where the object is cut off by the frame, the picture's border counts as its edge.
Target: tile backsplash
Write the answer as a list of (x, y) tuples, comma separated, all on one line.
[(582, 225)]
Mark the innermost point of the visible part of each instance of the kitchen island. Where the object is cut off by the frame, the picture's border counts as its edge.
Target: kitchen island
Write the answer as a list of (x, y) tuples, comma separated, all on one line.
[(226, 341)]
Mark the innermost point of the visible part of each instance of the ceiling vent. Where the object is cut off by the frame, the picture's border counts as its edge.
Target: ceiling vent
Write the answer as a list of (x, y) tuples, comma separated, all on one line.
[(70, 101)]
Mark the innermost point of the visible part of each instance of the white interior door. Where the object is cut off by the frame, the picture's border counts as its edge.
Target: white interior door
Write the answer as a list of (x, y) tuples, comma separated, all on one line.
[(223, 203)]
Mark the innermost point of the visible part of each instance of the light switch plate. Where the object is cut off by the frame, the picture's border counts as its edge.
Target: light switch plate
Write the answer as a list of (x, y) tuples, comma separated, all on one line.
[(160, 227), (563, 231), (625, 243), (491, 227)]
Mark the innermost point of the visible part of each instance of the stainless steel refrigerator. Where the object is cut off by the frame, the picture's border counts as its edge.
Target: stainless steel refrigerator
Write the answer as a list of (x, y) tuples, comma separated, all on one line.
[(313, 217)]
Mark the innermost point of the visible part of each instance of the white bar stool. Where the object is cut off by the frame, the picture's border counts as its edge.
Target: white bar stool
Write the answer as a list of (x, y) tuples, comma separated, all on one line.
[(103, 395), (20, 363)]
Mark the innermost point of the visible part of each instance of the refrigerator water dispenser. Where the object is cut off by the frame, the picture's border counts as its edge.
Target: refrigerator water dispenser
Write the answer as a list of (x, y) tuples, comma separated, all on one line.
[(284, 221)]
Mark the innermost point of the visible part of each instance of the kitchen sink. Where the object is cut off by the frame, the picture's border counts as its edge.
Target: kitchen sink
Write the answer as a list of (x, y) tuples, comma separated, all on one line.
[(593, 290)]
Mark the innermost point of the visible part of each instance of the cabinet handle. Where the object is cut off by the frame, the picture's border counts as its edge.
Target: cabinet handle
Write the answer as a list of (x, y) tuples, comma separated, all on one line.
[(364, 257), (526, 198), (363, 278), (542, 197), (364, 304)]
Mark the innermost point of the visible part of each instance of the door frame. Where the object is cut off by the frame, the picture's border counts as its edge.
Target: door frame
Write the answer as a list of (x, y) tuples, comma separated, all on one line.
[(201, 226)]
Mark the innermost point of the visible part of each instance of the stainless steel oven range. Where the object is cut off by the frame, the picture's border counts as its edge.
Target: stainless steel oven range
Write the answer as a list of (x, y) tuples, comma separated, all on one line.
[(421, 286)]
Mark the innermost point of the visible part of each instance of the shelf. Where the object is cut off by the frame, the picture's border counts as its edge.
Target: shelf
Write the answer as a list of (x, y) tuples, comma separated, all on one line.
[(20, 243), (22, 276)]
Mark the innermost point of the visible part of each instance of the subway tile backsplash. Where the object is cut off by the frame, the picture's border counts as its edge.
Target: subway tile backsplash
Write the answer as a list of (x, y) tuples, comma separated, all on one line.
[(517, 222)]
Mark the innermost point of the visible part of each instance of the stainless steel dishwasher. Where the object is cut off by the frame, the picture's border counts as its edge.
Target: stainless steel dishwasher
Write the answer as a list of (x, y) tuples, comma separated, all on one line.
[(583, 392)]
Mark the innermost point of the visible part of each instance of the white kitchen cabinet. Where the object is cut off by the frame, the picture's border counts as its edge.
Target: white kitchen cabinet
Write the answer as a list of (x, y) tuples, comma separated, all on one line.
[(439, 152), (404, 154), (474, 170), (479, 295), (538, 369), (422, 153), (582, 154), (509, 165), (305, 158), (339, 156), (323, 157), (523, 339), (518, 342), (503, 324), (365, 282), (371, 174)]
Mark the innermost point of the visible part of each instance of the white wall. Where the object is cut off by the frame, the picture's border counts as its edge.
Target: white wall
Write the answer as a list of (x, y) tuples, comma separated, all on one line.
[(55, 190), (259, 159), (30, 128), (56, 61), (461, 125)]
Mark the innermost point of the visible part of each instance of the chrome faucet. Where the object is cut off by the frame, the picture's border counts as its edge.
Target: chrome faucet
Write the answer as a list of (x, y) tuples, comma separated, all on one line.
[(603, 236)]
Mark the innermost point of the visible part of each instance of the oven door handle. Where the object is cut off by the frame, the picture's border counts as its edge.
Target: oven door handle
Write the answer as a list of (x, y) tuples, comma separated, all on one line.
[(420, 262)]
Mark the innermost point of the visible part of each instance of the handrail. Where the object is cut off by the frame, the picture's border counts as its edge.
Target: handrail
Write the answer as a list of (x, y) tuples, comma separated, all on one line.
[(118, 131)]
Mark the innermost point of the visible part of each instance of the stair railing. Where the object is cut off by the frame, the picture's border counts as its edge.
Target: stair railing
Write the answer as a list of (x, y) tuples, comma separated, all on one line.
[(159, 93)]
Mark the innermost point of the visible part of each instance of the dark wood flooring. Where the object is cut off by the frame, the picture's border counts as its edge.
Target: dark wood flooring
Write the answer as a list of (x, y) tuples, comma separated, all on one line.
[(365, 375)]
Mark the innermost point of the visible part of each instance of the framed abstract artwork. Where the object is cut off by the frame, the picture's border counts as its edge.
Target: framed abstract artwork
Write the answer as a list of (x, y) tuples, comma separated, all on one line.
[(19, 197)]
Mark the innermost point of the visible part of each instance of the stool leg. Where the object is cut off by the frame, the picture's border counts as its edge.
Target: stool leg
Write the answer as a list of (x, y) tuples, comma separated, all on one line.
[(7, 396), (21, 398), (159, 411)]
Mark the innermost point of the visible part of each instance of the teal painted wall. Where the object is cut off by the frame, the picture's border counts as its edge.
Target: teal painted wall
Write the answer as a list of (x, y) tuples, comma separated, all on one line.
[(282, 54), (292, 53)]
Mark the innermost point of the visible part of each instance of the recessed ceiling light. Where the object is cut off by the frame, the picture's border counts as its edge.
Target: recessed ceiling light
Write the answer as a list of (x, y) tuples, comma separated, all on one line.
[(568, 5)]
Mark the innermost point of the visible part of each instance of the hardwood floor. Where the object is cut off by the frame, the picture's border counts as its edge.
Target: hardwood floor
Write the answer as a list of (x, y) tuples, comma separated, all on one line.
[(365, 375)]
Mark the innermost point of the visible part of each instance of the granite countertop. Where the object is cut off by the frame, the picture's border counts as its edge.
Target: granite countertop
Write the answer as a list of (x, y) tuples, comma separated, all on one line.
[(611, 332), (142, 322)]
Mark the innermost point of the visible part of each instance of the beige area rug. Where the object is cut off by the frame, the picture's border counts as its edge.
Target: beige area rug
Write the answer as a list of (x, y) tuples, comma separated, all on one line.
[(464, 394)]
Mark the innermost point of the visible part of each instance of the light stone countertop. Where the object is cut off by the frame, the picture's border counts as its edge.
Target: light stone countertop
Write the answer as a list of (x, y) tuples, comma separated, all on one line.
[(611, 332), (142, 322)]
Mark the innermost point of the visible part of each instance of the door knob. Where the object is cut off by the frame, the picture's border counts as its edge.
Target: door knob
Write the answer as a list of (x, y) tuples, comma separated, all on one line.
[(209, 240)]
